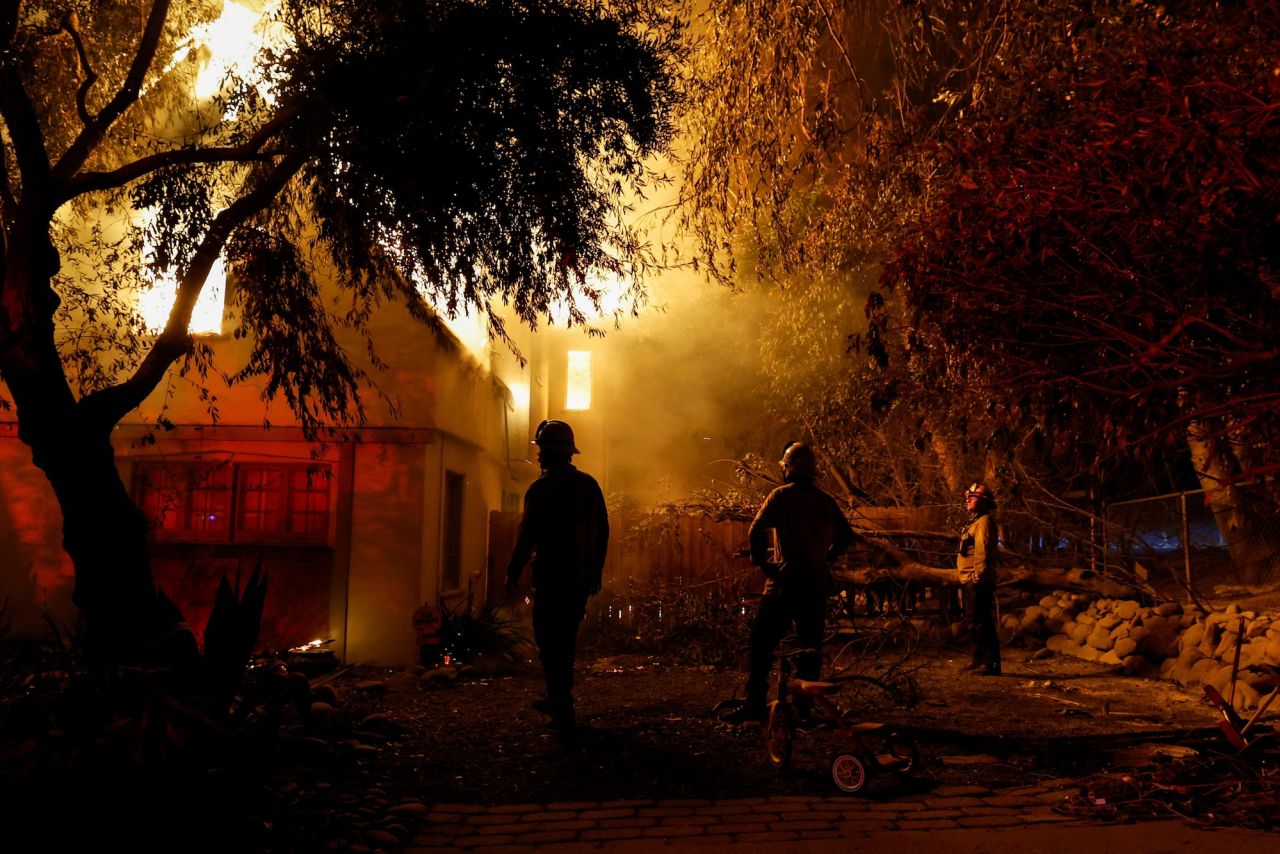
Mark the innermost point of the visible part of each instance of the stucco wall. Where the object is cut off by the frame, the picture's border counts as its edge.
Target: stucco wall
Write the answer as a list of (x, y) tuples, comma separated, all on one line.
[(35, 573)]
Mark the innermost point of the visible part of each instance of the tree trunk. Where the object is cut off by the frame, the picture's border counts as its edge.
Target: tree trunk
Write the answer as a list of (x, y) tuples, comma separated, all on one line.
[(103, 531), (891, 563), (1245, 515), (949, 457), (106, 536)]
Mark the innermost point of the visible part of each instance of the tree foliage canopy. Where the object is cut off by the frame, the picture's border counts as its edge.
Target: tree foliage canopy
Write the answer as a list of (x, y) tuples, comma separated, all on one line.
[(1104, 238), (1075, 204), (457, 154)]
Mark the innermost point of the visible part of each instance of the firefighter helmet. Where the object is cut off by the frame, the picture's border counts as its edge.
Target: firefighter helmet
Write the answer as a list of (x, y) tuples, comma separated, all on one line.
[(980, 491), (799, 461), (555, 436)]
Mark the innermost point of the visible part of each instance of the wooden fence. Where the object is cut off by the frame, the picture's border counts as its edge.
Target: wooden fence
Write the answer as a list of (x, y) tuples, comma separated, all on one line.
[(654, 550), (645, 551)]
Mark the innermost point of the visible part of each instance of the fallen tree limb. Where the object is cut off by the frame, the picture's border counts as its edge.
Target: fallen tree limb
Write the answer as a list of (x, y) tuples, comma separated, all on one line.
[(889, 564)]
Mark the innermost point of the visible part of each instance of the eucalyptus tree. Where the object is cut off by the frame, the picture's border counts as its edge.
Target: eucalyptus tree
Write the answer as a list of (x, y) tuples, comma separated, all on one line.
[(1104, 242), (810, 151), (461, 153), (1070, 207)]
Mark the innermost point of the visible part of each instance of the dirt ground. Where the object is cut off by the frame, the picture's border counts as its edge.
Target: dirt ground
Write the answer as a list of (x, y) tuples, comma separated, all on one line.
[(648, 730)]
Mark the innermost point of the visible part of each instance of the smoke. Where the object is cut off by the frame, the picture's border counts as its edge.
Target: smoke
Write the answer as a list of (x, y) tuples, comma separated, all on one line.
[(706, 375)]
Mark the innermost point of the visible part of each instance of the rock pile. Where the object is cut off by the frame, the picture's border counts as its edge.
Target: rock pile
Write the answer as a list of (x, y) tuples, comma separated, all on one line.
[(1191, 649)]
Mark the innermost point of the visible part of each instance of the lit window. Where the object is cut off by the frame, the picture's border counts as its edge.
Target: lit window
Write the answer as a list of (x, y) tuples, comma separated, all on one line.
[(193, 502), (283, 502), (578, 393)]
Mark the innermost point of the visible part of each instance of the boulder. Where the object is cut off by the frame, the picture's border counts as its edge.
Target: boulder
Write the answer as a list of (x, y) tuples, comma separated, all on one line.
[(1217, 618), (322, 717), (1128, 609), (1081, 633), (1254, 652), (1203, 670), (1226, 646), (1062, 644), (1191, 637), (1273, 649), (1155, 638), (1247, 696), (405, 680), (1125, 647), (1100, 637), (1032, 621), (1212, 636), (1180, 669)]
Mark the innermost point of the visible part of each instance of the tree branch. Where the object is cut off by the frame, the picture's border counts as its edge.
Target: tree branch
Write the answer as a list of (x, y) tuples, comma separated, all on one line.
[(24, 130), (249, 150), (97, 127), (8, 20), (109, 405), (71, 24)]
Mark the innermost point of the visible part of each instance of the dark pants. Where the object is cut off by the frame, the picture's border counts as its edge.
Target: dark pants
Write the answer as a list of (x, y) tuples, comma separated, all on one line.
[(776, 614), (556, 617), (980, 610)]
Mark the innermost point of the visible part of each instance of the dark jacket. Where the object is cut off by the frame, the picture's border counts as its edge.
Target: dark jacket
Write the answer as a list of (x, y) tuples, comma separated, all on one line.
[(812, 531), (565, 528)]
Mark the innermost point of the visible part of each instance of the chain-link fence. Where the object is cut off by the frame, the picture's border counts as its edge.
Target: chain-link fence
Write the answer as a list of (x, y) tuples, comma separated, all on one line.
[(1182, 540)]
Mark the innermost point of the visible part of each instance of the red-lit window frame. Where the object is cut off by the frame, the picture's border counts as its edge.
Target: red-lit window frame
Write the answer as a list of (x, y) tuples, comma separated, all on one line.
[(186, 501), (279, 502), (244, 503)]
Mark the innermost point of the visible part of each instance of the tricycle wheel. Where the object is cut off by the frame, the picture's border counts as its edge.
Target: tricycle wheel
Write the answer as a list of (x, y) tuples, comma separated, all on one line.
[(849, 773)]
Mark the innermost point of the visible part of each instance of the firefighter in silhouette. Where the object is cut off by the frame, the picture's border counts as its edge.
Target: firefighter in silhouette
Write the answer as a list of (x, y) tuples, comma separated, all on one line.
[(976, 558), (565, 529), (811, 532)]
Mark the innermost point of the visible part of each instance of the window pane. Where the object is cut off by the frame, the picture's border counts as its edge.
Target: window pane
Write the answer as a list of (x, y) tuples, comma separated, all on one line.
[(578, 389), (189, 501), (262, 495), (310, 502), (283, 502)]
